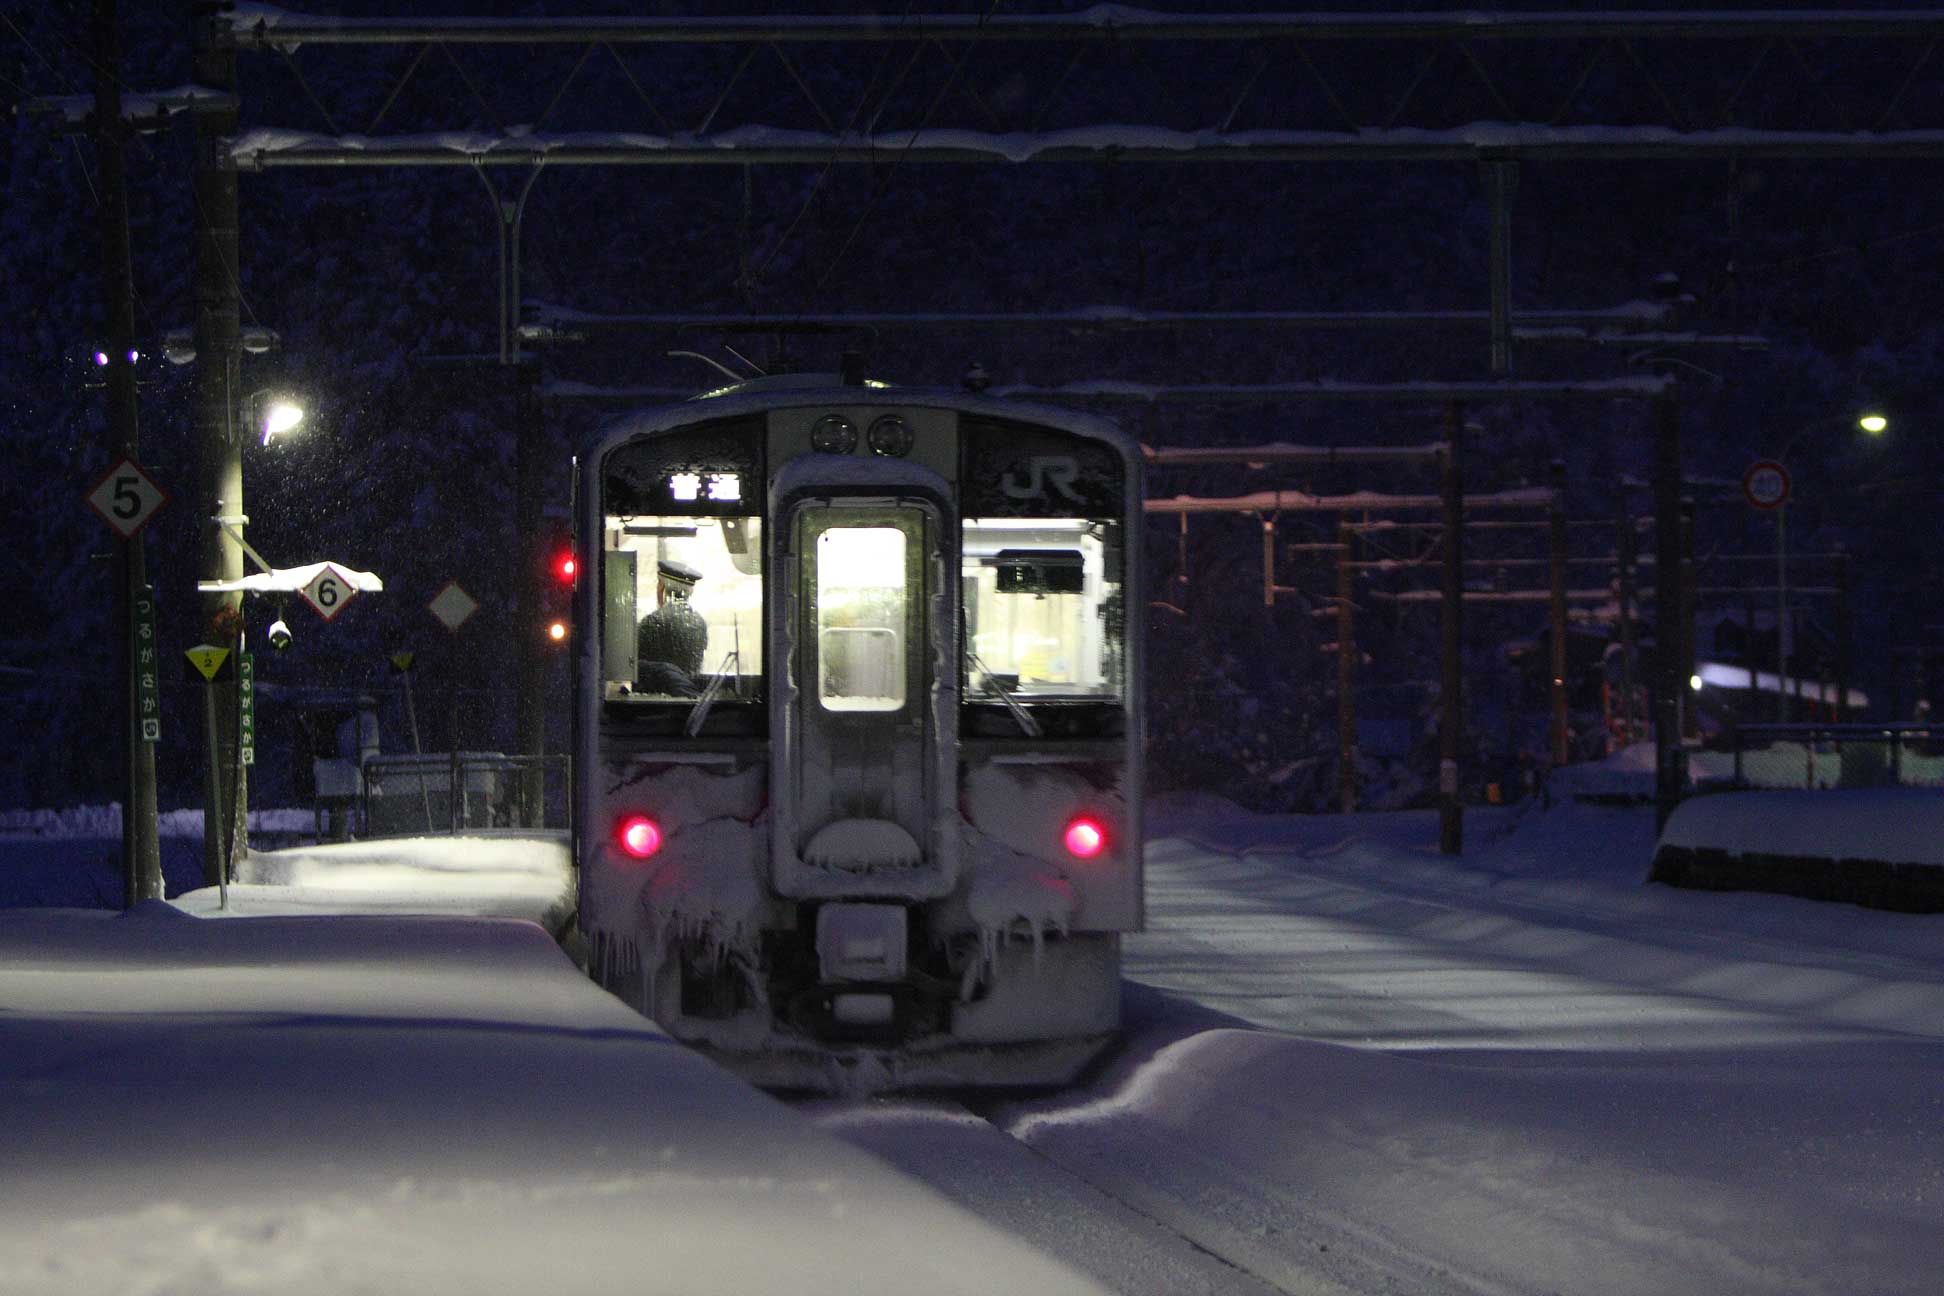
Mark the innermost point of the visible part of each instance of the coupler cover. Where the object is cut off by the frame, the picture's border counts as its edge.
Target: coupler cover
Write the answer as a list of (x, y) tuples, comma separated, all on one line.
[(861, 942)]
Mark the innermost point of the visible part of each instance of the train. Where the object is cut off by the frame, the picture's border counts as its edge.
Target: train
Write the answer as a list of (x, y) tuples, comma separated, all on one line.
[(858, 729)]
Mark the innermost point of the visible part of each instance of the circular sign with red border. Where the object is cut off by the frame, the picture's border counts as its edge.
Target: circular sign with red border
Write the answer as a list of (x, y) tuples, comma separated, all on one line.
[(1766, 484)]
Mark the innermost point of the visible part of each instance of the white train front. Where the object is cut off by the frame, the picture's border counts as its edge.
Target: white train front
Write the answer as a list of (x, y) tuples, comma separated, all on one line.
[(858, 730)]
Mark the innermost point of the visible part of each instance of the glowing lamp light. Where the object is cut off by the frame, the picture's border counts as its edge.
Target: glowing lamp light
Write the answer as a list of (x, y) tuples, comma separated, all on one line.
[(1695, 682), (1085, 838), (639, 836), (1873, 423), (564, 568), (101, 357), (282, 416), (557, 631)]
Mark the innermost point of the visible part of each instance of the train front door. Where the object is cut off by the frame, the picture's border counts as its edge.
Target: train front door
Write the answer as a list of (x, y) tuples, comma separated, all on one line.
[(866, 803)]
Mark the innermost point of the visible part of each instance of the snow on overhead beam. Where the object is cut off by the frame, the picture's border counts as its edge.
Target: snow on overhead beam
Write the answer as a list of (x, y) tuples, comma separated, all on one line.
[(1640, 388), (1492, 596), (267, 148), (1291, 501), (1598, 324), (1283, 452), (260, 27), (1645, 387)]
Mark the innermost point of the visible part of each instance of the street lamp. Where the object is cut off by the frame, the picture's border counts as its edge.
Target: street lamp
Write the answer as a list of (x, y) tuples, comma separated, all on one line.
[(271, 413), (1875, 425)]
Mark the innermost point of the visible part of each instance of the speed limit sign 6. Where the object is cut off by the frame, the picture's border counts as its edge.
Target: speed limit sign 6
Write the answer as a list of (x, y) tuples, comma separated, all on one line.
[(329, 591)]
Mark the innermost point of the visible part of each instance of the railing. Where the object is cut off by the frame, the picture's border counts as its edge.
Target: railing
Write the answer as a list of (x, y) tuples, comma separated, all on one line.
[(451, 792), (1827, 756)]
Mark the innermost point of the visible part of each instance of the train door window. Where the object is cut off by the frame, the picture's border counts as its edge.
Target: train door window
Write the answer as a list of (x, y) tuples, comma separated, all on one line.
[(862, 618), (682, 607), (1043, 609)]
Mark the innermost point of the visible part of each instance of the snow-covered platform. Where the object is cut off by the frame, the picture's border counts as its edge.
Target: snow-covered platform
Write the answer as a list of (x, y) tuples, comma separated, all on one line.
[(1880, 847), (423, 1104), (486, 875)]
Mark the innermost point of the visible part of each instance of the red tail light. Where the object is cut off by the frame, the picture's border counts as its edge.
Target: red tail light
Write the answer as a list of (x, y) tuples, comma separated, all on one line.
[(639, 836), (1085, 838)]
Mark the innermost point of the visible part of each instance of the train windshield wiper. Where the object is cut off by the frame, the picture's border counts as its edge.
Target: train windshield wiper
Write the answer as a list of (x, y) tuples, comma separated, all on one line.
[(1027, 723), (700, 711)]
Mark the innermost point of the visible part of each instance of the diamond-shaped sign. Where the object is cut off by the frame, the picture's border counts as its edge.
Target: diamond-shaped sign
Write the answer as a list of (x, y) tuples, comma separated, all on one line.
[(453, 606), (126, 498), (329, 591)]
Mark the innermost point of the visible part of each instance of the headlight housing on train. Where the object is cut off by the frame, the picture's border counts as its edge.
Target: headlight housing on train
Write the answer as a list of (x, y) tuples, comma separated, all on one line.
[(890, 435), (833, 434)]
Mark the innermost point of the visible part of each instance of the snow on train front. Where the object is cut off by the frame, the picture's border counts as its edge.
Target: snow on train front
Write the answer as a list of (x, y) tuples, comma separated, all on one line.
[(858, 717)]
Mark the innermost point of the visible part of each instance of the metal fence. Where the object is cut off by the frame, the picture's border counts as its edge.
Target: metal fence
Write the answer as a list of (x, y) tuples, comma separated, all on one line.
[(1827, 756), (451, 792)]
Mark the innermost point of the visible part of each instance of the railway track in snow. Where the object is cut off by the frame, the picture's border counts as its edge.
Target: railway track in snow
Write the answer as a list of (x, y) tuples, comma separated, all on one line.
[(1108, 1217)]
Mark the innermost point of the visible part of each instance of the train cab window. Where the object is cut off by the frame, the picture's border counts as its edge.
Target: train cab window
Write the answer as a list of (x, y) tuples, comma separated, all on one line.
[(862, 616), (1043, 611), (682, 607)]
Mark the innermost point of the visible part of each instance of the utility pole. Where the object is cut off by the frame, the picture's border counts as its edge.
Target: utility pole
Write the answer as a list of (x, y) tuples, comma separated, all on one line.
[(1841, 712), (1451, 718), (1346, 670), (530, 704), (1627, 541), (1782, 636), (1670, 761), (1690, 720), (141, 851), (1556, 553), (219, 447)]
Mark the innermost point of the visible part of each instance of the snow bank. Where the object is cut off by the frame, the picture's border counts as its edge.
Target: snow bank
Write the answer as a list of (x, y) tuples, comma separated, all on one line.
[(429, 1105), (1881, 847), (512, 875), (1318, 1167), (1899, 825), (1357, 1064)]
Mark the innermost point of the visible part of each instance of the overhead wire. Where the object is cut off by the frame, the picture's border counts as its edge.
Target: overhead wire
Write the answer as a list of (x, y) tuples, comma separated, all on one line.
[(884, 183), (830, 162)]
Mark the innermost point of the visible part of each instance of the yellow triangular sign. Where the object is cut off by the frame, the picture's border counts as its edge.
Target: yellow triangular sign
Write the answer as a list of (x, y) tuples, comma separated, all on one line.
[(207, 659)]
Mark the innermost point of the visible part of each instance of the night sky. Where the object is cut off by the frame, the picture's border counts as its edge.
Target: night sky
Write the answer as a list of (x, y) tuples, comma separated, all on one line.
[(382, 284)]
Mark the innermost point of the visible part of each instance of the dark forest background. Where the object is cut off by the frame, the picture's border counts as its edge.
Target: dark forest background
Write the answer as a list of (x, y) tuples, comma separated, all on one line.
[(404, 466)]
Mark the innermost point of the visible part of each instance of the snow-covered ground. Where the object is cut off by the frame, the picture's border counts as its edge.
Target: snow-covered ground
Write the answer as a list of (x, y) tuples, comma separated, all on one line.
[(346, 1104), (1356, 1066), (1352, 1065)]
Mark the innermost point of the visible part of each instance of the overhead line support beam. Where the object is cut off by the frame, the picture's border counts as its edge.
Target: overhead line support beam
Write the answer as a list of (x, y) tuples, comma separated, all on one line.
[(1098, 24), (1507, 142)]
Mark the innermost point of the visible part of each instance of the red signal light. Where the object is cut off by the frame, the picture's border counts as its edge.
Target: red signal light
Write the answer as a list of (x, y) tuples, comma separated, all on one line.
[(1085, 838), (565, 567), (639, 836)]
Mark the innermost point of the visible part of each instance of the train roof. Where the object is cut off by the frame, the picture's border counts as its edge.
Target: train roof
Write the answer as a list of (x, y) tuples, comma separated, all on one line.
[(790, 390)]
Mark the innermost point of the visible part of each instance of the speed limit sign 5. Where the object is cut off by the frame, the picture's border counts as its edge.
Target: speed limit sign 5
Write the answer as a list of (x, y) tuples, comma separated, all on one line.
[(126, 498), (329, 591)]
